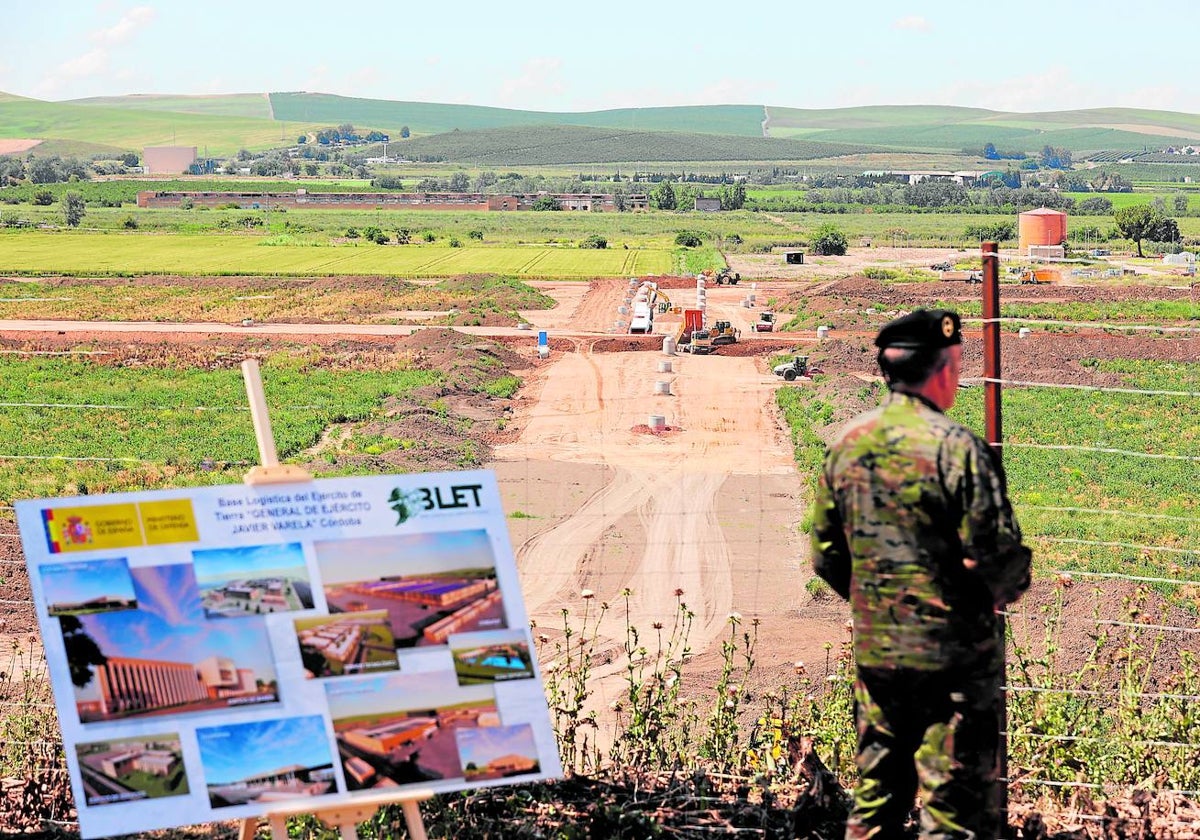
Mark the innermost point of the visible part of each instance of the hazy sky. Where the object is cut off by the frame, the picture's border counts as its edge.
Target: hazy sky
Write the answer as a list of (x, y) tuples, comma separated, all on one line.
[(554, 56)]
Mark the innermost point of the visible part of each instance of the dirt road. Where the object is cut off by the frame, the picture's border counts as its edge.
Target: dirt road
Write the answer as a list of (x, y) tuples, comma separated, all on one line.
[(709, 506)]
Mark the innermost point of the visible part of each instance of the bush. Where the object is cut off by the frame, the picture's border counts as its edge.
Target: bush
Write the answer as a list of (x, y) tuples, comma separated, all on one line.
[(594, 241), (373, 234), (828, 240), (454, 242), (689, 238), (186, 203), (130, 223), (403, 236), (429, 236), (352, 233), (475, 234), (43, 198)]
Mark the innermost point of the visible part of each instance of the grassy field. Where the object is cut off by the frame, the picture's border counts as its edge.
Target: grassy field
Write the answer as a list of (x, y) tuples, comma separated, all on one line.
[(277, 300), (90, 253), (175, 426), (253, 105), (125, 128)]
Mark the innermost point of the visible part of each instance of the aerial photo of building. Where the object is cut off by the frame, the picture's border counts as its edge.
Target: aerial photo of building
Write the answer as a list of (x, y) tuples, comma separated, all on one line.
[(132, 768)]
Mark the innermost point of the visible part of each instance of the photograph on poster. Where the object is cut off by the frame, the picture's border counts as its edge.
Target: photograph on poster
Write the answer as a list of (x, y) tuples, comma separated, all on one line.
[(346, 643), (432, 585), (395, 732), (266, 761), (252, 580), (497, 752), (90, 586), (491, 657), (124, 769), (165, 657)]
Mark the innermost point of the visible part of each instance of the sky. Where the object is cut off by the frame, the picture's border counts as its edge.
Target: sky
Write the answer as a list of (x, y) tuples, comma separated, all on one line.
[(553, 56), (235, 752)]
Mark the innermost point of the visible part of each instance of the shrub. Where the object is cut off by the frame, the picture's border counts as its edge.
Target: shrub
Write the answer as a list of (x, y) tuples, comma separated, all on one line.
[(371, 233), (130, 223), (186, 203), (454, 242), (43, 198), (689, 238), (475, 234), (828, 240), (594, 241), (403, 236), (429, 236)]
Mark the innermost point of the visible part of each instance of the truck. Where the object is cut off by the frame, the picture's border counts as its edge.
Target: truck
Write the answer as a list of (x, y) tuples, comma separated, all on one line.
[(765, 322), (693, 319), (643, 318), (797, 368), (724, 332), (700, 343)]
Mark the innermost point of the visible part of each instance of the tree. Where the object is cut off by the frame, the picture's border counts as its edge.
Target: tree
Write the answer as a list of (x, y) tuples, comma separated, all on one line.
[(663, 196), (546, 202), (989, 151), (82, 650), (404, 132), (733, 197), (73, 208), (689, 238), (459, 182), (1181, 204), (594, 241), (828, 240), (1142, 221), (129, 159), (1096, 205)]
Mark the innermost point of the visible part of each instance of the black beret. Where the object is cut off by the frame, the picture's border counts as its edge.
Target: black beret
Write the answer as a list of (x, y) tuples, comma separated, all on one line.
[(929, 329)]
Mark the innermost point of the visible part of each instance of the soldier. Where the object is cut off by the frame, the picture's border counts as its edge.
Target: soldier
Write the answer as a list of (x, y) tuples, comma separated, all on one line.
[(913, 526)]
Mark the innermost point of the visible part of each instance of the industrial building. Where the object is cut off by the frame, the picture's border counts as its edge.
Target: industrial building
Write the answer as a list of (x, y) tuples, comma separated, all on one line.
[(301, 198), (168, 160)]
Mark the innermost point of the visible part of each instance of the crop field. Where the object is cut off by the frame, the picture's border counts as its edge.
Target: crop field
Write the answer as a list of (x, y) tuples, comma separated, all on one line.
[(163, 424), (117, 253), (277, 300)]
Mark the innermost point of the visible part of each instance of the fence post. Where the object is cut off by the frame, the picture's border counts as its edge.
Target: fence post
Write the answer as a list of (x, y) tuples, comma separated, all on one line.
[(993, 434)]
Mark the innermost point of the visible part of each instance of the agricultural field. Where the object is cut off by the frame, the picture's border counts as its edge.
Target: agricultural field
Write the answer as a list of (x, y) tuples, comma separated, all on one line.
[(197, 254), (369, 300)]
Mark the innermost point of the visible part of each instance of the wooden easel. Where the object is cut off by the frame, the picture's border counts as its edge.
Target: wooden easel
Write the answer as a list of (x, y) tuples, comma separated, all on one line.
[(345, 815)]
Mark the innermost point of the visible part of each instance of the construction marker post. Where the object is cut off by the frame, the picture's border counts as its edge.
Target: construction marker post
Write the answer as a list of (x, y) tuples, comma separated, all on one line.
[(346, 816)]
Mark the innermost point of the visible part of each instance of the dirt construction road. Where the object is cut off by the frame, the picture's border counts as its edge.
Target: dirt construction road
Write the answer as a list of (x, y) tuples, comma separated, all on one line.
[(710, 505)]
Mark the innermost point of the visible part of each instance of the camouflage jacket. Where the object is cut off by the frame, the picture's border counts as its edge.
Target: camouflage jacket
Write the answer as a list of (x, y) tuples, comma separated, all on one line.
[(904, 496)]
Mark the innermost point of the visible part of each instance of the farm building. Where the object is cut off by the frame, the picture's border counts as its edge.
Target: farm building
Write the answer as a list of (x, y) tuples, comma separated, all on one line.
[(168, 160), (708, 205)]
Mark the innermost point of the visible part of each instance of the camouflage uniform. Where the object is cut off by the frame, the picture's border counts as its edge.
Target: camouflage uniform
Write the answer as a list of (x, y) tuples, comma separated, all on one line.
[(904, 496)]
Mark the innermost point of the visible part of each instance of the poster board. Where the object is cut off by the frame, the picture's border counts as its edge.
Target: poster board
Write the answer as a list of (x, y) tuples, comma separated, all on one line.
[(217, 651)]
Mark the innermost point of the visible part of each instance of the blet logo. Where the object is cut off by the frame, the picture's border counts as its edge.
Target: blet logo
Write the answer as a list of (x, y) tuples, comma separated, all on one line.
[(408, 504)]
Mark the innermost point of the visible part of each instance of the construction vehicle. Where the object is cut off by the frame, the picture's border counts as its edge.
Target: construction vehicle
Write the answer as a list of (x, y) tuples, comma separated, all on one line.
[(726, 276), (765, 323), (797, 368), (724, 332), (699, 344), (693, 319)]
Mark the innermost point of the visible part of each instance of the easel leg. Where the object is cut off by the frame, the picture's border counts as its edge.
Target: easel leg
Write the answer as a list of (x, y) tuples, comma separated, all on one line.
[(278, 827), (412, 818), (349, 830), (247, 828)]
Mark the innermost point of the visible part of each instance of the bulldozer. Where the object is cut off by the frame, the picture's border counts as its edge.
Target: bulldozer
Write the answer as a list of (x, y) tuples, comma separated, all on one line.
[(724, 332), (765, 322), (797, 368)]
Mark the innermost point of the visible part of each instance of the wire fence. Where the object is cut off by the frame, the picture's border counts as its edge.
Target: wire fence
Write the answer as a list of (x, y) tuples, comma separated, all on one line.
[(1115, 705)]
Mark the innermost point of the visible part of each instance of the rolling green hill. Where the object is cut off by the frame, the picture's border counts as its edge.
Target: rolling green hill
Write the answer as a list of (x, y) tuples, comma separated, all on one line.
[(432, 118), (221, 125), (561, 144)]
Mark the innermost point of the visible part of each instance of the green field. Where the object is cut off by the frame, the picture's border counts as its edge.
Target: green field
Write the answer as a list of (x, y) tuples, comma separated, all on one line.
[(178, 425), (196, 254)]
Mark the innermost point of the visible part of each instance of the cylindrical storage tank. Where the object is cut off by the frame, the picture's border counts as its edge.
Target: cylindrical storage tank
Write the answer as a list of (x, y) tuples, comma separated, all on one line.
[(1041, 227), (657, 422), (543, 351), (822, 332), (669, 346), (1024, 332), (664, 365), (662, 386), (623, 309), (753, 298)]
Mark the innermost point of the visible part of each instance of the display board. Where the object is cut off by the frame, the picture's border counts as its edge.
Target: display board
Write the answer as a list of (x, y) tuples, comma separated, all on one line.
[(215, 651)]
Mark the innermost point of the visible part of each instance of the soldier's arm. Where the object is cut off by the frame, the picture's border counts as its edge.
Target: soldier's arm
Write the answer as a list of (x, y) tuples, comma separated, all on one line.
[(831, 552), (990, 534)]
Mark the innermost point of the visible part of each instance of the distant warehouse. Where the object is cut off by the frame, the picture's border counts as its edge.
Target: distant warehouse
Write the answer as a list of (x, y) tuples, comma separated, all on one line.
[(603, 202), (168, 160)]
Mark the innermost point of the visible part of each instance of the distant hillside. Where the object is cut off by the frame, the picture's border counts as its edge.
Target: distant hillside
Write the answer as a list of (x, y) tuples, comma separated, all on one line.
[(560, 144), (221, 125), (432, 118), (924, 128)]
